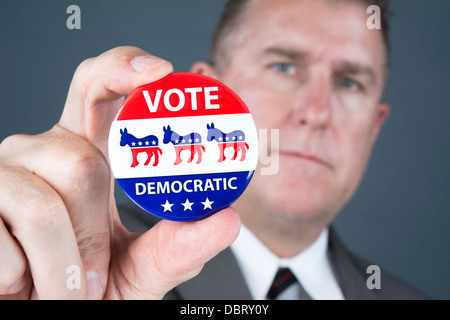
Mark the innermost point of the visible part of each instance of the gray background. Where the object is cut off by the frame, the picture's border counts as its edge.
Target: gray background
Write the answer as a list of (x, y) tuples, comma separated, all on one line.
[(400, 216)]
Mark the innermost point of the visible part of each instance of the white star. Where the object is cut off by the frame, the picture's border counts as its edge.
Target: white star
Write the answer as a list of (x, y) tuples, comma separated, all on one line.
[(153, 142), (183, 141), (240, 137), (207, 204), (190, 140), (140, 143), (167, 206), (220, 139), (187, 205), (196, 139), (133, 143), (147, 143), (227, 138), (176, 141)]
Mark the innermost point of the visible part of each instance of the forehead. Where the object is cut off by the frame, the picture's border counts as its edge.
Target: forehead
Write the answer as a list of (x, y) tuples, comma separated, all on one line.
[(328, 30)]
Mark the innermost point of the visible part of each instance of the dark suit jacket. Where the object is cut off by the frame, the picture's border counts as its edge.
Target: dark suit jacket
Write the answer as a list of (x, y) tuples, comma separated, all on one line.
[(222, 279)]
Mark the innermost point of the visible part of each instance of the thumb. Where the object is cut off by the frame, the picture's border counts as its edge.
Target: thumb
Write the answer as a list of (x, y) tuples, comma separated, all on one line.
[(173, 252), (98, 88)]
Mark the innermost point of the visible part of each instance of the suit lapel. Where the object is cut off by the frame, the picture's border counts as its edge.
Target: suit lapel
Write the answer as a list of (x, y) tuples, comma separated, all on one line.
[(351, 279), (220, 279)]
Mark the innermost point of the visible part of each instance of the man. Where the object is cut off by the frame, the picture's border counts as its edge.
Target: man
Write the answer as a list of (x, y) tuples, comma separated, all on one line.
[(309, 68), (313, 70)]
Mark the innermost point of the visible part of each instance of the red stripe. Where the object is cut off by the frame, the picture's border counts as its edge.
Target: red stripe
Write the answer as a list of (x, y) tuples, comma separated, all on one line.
[(229, 102), (281, 279)]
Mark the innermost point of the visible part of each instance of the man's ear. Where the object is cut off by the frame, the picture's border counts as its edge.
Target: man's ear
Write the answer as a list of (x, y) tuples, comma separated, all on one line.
[(383, 111), (204, 68)]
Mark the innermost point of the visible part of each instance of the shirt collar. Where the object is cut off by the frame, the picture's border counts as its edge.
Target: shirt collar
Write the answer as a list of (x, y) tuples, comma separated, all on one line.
[(311, 267)]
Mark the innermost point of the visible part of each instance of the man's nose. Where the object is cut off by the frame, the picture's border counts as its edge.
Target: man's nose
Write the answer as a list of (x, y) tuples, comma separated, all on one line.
[(313, 106)]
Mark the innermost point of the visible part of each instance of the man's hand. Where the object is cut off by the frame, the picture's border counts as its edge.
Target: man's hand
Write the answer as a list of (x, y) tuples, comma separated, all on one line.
[(57, 206)]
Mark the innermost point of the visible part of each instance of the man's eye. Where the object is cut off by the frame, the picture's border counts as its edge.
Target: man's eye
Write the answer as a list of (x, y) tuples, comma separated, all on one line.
[(286, 68), (348, 83)]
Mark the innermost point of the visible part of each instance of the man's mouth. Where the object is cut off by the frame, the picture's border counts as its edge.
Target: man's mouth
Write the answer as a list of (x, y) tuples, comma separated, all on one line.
[(306, 156)]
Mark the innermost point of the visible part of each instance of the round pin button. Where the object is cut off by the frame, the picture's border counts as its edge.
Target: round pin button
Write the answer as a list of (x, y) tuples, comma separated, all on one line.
[(183, 147)]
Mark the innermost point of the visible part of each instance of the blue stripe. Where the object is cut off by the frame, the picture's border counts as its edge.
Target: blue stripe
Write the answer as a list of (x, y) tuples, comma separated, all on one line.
[(150, 193)]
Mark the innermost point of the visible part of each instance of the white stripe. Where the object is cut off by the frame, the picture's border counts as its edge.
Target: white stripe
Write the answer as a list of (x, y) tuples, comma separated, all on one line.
[(121, 157)]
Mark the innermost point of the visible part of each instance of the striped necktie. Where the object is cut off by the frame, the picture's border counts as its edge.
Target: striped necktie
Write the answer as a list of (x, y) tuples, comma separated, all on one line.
[(284, 286)]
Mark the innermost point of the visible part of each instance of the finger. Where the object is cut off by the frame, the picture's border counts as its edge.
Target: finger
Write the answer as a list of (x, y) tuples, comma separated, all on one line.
[(171, 253), (99, 85), (80, 175), (25, 293), (37, 217), (12, 263), (95, 94)]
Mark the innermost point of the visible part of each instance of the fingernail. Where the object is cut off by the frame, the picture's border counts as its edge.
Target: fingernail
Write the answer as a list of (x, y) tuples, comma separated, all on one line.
[(141, 63), (17, 286), (95, 291)]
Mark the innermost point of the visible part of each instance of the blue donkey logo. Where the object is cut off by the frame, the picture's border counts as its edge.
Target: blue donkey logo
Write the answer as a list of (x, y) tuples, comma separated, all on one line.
[(234, 139), (149, 145), (191, 142)]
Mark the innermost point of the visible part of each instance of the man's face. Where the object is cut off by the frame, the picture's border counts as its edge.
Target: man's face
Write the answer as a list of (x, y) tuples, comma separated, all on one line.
[(312, 70)]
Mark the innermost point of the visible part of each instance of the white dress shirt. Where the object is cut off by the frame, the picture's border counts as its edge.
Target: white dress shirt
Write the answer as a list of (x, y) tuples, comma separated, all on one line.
[(311, 267)]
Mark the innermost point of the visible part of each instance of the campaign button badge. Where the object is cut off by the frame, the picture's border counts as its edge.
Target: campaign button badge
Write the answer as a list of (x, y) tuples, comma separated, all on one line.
[(183, 147)]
